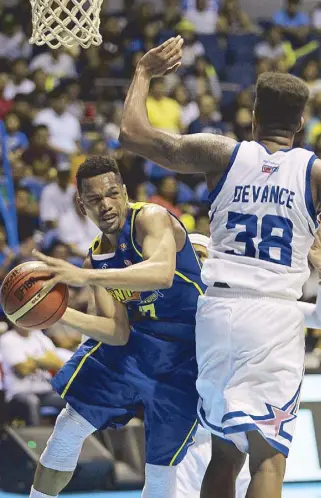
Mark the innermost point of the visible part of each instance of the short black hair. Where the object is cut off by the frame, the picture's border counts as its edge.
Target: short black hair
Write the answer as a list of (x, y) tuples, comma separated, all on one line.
[(38, 127), (280, 102), (57, 93), (95, 166)]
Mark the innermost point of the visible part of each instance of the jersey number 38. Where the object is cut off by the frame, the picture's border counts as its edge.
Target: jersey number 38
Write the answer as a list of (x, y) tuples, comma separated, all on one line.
[(272, 244)]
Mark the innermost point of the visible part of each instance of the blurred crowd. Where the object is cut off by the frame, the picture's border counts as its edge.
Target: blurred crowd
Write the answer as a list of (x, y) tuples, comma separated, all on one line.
[(60, 107)]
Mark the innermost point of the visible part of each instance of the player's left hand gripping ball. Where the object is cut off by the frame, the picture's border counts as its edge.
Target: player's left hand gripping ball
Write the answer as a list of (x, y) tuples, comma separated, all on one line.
[(61, 271)]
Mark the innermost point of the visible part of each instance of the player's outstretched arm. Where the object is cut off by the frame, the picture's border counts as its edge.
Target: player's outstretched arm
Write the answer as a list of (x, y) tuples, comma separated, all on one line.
[(199, 153)]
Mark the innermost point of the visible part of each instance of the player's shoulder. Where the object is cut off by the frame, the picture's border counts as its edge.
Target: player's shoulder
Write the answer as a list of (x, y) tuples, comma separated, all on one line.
[(151, 215)]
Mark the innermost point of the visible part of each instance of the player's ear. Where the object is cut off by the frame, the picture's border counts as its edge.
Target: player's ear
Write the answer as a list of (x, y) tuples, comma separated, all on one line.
[(125, 192), (301, 125), (81, 206)]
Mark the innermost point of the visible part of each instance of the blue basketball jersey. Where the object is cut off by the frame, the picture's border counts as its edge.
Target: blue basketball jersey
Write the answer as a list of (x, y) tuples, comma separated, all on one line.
[(166, 312)]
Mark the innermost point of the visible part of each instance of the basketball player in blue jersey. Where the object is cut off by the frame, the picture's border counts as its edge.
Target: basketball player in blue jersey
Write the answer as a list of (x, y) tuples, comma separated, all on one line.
[(147, 318), (249, 333)]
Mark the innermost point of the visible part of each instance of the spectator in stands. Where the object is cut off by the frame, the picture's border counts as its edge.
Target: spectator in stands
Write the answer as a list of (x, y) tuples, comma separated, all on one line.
[(57, 198), (13, 42), (163, 112), (39, 97), (233, 19), (172, 15), (316, 17), (76, 230), (17, 141), (39, 154), (202, 225), (189, 108), (7, 256), (243, 124), (27, 214), (112, 128), (28, 358), (203, 15), (75, 106), (293, 22), (209, 120), (19, 81), (311, 75), (192, 48), (25, 113), (167, 194), (64, 128), (272, 47), (5, 104), (203, 79), (57, 63)]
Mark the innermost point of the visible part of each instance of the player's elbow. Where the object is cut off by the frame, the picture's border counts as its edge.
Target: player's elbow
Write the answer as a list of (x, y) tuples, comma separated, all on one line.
[(123, 333), (167, 280), (126, 137)]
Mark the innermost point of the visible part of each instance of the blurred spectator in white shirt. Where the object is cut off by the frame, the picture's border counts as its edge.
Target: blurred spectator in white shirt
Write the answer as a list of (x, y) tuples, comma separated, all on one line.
[(203, 16), (192, 48), (76, 230), (272, 47), (316, 17), (64, 128), (57, 198), (56, 63), (13, 42), (29, 357), (18, 82)]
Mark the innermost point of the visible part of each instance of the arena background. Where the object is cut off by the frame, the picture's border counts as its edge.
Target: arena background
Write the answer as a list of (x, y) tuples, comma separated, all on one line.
[(59, 108)]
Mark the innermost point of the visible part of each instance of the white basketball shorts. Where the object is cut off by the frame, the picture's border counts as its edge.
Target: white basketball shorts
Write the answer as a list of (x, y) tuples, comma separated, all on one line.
[(250, 353), (191, 471)]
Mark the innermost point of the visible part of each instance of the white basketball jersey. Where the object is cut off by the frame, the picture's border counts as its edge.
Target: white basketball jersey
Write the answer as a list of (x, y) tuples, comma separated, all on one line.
[(262, 222)]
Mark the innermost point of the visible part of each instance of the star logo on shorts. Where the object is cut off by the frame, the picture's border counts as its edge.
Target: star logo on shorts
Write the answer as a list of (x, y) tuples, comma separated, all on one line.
[(280, 416), (123, 247)]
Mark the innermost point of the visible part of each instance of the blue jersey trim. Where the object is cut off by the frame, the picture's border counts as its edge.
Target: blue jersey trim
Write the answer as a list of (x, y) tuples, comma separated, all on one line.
[(217, 189), (308, 191)]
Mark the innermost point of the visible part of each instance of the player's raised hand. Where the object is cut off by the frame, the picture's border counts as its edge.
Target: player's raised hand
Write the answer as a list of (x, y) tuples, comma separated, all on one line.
[(61, 271), (163, 59)]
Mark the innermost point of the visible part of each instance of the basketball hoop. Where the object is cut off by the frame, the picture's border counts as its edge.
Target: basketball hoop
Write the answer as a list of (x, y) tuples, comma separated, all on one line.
[(66, 23)]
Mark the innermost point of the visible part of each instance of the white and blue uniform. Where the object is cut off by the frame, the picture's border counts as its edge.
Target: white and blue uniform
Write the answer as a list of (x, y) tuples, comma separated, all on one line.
[(249, 333)]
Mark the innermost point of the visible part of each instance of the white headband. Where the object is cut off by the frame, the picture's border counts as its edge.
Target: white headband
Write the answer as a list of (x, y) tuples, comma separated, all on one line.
[(201, 240)]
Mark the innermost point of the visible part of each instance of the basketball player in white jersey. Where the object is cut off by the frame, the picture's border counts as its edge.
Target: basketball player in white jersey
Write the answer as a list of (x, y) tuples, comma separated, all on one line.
[(250, 340)]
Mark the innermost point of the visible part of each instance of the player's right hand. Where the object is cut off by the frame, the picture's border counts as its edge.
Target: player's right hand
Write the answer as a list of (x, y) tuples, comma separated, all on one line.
[(163, 59)]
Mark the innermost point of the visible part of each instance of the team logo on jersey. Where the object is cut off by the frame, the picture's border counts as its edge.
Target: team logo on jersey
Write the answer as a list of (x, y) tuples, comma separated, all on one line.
[(127, 262), (125, 296), (123, 246), (153, 297), (270, 168)]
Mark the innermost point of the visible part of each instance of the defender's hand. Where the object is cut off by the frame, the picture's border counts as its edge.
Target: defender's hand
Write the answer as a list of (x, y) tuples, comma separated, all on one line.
[(163, 59)]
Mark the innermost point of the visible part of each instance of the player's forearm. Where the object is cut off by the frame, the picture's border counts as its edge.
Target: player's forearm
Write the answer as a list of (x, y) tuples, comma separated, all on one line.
[(145, 276), (136, 133), (108, 330)]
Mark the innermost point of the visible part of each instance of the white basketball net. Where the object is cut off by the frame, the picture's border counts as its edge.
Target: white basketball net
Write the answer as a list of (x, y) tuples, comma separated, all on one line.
[(66, 22)]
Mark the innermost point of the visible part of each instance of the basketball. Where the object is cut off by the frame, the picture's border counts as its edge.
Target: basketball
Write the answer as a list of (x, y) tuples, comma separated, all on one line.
[(26, 303)]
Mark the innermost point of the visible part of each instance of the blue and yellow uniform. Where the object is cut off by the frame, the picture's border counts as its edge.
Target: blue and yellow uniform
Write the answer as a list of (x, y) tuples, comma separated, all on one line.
[(156, 369)]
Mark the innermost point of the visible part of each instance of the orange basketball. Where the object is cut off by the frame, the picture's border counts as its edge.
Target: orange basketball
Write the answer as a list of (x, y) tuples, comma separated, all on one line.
[(26, 303)]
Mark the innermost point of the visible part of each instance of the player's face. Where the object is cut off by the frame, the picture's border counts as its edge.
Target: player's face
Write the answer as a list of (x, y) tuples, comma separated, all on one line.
[(104, 199), (201, 252)]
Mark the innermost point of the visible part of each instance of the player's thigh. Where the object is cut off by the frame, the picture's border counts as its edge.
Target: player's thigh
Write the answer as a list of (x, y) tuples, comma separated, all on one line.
[(96, 384), (171, 420)]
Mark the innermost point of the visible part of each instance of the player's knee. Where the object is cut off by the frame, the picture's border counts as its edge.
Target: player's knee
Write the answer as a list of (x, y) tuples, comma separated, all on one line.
[(65, 443), (263, 457)]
